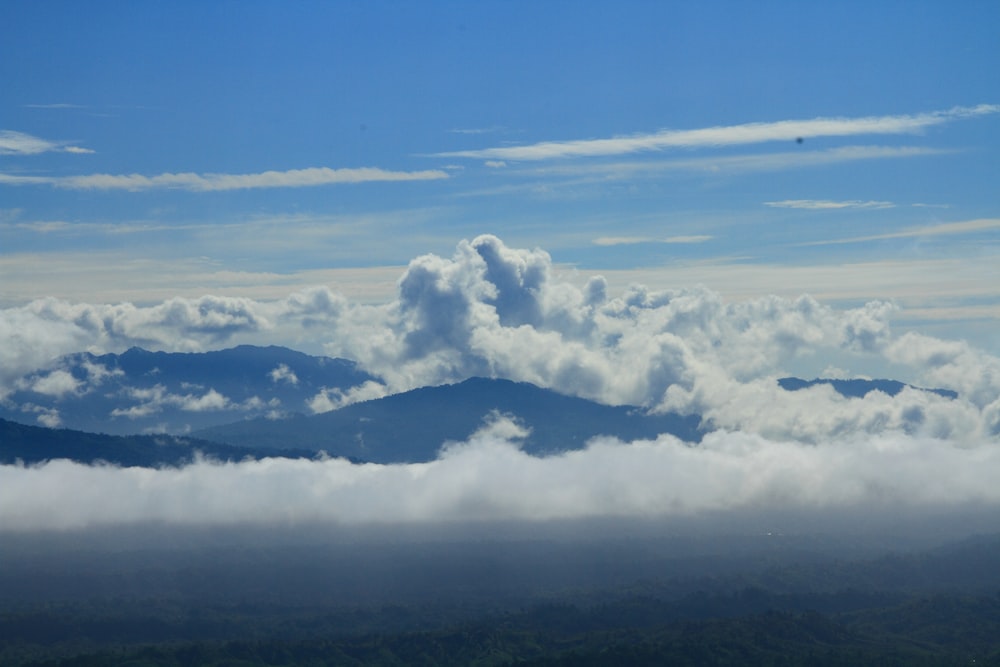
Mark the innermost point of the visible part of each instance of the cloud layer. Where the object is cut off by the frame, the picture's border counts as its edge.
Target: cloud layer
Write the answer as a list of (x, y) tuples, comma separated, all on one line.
[(489, 478)]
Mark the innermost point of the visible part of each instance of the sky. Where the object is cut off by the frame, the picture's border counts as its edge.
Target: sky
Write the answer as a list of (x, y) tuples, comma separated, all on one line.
[(661, 204)]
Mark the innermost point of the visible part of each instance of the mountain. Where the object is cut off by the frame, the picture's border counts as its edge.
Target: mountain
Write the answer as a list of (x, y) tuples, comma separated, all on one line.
[(35, 444), (142, 391), (412, 426), (859, 388)]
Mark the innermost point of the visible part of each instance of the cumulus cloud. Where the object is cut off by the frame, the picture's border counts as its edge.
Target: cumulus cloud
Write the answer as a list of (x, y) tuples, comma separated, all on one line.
[(490, 478), (35, 334), (328, 399), (732, 135), (496, 311), (151, 400), (293, 178), (282, 373), (45, 416), (57, 383)]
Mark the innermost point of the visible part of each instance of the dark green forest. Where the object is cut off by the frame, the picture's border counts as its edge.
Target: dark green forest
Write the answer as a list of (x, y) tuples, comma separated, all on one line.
[(751, 627), (937, 606)]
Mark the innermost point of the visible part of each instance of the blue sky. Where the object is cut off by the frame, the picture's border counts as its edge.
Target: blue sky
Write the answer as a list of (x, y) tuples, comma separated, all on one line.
[(158, 149)]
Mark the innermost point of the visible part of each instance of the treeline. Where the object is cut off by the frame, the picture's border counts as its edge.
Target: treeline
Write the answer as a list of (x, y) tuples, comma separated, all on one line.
[(936, 630), (938, 607)]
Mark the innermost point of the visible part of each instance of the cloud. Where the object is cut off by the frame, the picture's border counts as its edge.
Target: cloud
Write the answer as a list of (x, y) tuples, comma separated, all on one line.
[(57, 383), (328, 399), (34, 335), (282, 373), (495, 164), (496, 311), (824, 204), (58, 105), (294, 178), (48, 417), (155, 399), (478, 130), (488, 478), (575, 174), (19, 143), (943, 229), (732, 135), (632, 240)]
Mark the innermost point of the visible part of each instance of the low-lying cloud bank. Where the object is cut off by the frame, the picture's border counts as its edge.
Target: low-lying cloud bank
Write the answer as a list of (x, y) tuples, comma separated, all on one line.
[(489, 478)]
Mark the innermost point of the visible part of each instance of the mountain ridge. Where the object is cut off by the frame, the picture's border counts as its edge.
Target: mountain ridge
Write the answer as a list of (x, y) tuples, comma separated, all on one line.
[(30, 445), (412, 426), (174, 392)]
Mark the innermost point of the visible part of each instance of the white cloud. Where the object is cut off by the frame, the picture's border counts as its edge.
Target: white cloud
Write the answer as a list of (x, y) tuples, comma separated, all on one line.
[(282, 373), (823, 204), (942, 229), (328, 399), (733, 135), (56, 383), (193, 182), (496, 311), (19, 143), (570, 175), (57, 105), (490, 478), (48, 417), (478, 130), (632, 240), (155, 399)]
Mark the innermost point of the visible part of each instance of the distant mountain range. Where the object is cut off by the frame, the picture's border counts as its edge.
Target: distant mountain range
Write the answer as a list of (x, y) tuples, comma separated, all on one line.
[(256, 401), (35, 444), (140, 391), (412, 426)]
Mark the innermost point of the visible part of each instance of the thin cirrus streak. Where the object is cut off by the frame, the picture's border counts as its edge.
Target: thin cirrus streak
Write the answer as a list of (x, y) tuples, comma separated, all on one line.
[(633, 240), (826, 204), (944, 229), (731, 135), (292, 178)]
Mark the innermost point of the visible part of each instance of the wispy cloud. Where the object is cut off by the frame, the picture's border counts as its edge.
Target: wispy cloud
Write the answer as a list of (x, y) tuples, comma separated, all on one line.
[(944, 229), (823, 204), (20, 143), (57, 105), (478, 130), (731, 135), (744, 163), (633, 240), (294, 178), (585, 174)]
